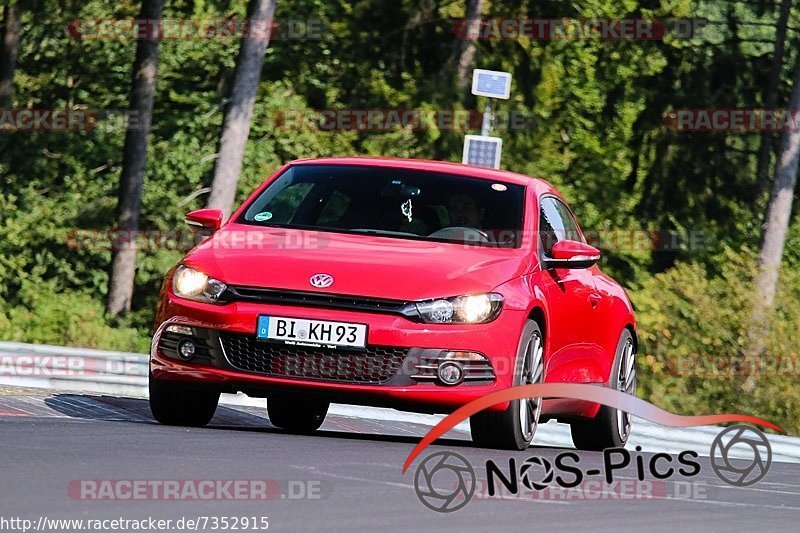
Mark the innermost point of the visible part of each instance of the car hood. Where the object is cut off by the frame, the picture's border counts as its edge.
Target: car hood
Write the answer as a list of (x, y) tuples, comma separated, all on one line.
[(362, 265)]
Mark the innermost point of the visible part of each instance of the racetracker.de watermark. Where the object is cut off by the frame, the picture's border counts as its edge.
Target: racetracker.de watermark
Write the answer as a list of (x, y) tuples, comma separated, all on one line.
[(729, 366), (733, 120), (183, 240), (189, 29), (335, 120), (597, 490), (69, 120), (61, 365), (196, 489), (603, 29), (45, 120)]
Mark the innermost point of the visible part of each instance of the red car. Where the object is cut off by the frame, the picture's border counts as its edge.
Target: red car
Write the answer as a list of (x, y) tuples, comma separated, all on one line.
[(411, 284)]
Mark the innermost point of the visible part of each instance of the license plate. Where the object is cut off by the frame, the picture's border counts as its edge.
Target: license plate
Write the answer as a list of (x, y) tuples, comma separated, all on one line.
[(315, 333)]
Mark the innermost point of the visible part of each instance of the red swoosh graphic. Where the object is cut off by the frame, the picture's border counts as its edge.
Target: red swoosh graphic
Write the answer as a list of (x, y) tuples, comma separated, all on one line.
[(579, 391)]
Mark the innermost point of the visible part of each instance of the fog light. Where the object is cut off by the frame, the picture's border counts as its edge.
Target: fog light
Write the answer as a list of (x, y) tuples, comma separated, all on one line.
[(186, 349), (450, 373)]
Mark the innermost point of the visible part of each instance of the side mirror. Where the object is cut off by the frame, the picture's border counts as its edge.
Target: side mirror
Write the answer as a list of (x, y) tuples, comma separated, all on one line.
[(204, 221), (572, 254)]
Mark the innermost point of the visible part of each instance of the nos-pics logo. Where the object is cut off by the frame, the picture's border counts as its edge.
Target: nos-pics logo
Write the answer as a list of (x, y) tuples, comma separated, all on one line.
[(445, 481)]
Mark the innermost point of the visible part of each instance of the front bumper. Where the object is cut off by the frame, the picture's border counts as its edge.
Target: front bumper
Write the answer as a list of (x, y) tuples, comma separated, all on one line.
[(396, 385)]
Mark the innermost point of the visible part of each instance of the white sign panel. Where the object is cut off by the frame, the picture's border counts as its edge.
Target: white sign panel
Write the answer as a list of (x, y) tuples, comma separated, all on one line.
[(491, 83), (482, 151)]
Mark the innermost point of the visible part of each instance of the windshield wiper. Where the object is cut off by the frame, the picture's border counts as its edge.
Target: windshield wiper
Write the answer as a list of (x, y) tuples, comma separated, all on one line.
[(382, 232)]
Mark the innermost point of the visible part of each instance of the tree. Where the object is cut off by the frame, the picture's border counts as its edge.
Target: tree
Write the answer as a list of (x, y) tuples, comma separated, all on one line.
[(8, 53), (239, 110), (464, 49), (771, 94), (123, 264), (776, 224)]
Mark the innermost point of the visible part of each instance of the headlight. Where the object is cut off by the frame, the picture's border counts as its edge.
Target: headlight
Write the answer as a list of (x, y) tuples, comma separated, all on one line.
[(473, 309), (194, 285)]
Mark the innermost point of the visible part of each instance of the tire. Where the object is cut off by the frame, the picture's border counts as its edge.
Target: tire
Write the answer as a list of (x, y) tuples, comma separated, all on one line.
[(506, 430), (177, 404), (295, 414), (611, 427)]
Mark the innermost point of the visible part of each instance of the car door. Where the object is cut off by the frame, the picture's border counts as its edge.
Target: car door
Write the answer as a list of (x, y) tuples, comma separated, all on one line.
[(572, 299)]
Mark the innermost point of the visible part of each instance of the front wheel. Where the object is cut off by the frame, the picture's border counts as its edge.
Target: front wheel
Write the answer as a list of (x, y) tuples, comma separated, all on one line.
[(177, 404), (296, 414), (611, 427), (513, 429)]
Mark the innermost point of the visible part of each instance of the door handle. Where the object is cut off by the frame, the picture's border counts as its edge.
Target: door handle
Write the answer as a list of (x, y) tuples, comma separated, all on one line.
[(594, 299)]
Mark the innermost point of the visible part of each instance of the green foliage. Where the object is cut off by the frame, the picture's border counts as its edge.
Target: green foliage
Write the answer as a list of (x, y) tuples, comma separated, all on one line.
[(69, 318), (692, 328)]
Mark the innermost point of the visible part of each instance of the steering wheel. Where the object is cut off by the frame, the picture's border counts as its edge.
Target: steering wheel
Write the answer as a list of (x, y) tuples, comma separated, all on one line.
[(460, 233)]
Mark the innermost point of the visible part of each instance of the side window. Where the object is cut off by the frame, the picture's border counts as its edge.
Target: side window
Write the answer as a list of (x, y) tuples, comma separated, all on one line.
[(571, 230), (556, 224), (551, 227)]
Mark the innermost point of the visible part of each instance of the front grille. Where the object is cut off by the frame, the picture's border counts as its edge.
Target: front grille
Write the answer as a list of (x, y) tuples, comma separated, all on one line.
[(324, 300), (375, 365)]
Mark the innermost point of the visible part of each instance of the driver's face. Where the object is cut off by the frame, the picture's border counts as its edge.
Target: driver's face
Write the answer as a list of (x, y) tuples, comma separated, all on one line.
[(464, 211)]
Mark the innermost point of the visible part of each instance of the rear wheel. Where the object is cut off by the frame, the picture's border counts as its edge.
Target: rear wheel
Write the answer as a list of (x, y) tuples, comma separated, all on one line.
[(178, 404), (611, 427), (513, 429), (295, 414)]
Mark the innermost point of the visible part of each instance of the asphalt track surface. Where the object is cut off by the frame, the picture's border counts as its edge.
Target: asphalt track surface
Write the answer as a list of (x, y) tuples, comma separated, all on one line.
[(355, 464)]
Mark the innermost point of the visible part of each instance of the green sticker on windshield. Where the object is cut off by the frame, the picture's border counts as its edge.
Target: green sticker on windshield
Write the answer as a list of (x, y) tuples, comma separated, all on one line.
[(261, 217)]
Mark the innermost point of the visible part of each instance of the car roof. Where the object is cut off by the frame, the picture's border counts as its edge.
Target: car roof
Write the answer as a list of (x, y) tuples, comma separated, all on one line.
[(539, 185)]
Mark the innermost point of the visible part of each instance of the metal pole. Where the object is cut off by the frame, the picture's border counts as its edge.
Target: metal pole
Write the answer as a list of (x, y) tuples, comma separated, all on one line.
[(487, 118)]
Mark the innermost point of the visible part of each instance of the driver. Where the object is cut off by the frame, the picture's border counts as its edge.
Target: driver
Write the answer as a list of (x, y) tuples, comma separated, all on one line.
[(465, 211)]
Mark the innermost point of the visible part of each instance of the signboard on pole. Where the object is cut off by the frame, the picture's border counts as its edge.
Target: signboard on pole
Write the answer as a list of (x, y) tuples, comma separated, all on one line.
[(482, 151), (491, 83)]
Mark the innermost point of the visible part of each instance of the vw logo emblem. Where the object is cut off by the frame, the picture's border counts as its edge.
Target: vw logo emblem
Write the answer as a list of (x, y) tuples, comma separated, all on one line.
[(321, 281)]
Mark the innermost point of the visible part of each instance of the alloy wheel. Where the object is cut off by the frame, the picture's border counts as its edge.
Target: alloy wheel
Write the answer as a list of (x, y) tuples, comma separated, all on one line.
[(626, 382), (532, 372)]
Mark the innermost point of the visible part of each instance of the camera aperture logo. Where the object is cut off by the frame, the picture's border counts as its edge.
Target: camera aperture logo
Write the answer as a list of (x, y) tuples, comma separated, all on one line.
[(445, 482), (739, 474), (529, 466)]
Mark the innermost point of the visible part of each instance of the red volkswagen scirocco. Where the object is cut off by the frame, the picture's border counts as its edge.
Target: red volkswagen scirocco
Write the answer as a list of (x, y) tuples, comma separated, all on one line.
[(411, 284)]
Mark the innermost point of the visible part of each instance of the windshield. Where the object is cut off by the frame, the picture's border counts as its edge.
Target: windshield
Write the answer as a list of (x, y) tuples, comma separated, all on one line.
[(392, 202)]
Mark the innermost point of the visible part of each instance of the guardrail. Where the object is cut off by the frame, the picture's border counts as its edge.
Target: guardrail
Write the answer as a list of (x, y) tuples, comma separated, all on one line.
[(65, 368), (125, 374)]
